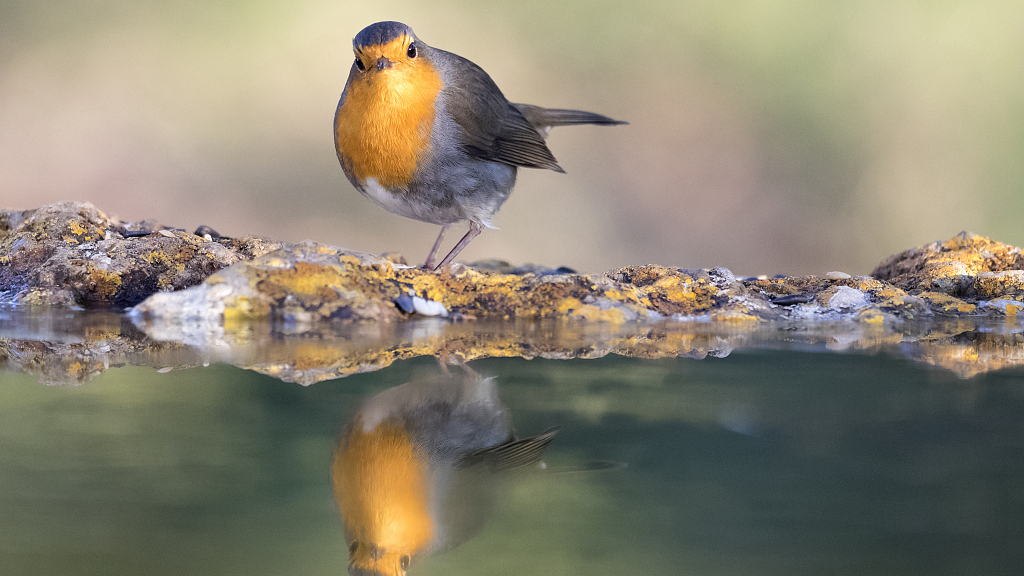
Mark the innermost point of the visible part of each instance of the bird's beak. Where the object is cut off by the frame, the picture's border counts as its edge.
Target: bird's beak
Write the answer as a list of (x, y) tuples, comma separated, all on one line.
[(383, 63)]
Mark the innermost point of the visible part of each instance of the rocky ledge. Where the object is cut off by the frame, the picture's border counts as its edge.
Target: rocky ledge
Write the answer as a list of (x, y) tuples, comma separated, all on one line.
[(72, 254)]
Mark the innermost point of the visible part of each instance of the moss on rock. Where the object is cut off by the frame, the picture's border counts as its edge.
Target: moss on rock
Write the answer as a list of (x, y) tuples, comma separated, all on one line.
[(72, 254)]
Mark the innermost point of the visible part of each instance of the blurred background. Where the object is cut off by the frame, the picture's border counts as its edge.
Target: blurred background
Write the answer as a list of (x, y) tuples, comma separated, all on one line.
[(790, 137)]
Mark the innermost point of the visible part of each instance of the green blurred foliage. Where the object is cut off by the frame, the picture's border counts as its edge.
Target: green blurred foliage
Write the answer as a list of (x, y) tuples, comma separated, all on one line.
[(768, 137)]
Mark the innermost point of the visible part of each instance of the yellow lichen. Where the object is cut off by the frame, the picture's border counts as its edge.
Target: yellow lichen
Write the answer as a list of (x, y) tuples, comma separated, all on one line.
[(573, 308), (315, 355), (244, 308), (632, 295), (306, 278), (429, 286), (947, 302), (871, 316), (104, 283), (733, 317), (672, 289)]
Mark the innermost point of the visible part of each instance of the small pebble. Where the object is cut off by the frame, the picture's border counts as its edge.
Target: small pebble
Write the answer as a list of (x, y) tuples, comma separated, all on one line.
[(205, 231), (166, 233), (835, 275), (792, 299), (165, 370)]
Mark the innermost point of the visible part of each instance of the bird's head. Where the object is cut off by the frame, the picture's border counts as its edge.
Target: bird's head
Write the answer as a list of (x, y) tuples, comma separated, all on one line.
[(366, 559), (387, 46)]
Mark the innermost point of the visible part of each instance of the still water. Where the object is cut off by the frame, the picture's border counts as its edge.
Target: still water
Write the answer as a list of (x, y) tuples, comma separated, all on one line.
[(762, 462)]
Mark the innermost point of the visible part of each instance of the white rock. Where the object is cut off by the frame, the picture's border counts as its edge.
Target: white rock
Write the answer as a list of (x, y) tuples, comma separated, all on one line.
[(846, 297)]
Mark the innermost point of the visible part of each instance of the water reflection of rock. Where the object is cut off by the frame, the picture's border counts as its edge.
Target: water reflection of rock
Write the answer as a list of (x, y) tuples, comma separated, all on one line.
[(971, 352), (70, 348), (419, 468)]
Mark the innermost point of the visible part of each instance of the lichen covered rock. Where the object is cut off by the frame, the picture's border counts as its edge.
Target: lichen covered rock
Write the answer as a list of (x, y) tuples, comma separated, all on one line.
[(72, 254), (310, 282), (967, 266)]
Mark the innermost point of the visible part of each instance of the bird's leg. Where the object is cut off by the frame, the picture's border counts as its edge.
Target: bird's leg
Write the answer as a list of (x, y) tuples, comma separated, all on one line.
[(474, 231), (442, 361), (429, 264)]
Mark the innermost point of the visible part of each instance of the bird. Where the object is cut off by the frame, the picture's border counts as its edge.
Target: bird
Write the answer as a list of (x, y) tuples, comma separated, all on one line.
[(418, 469), (428, 135)]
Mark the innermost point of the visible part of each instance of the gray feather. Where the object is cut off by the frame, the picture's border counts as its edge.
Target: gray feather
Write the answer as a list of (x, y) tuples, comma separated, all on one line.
[(491, 128), (545, 118)]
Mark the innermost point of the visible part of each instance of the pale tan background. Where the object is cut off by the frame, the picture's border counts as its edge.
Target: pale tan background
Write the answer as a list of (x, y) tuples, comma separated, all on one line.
[(793, 136)]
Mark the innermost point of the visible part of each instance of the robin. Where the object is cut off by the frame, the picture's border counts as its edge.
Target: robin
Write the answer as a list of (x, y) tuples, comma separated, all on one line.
[(418, 468), (428, 135)]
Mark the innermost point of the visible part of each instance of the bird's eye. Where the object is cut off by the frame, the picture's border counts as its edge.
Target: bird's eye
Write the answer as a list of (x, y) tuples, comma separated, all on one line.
[(353, 547), (360, 65), (404, 562), (411, 52)]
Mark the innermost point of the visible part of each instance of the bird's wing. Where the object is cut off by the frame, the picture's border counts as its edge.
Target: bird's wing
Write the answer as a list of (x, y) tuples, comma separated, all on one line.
[(491, 128), (514, 454), (478, 476)]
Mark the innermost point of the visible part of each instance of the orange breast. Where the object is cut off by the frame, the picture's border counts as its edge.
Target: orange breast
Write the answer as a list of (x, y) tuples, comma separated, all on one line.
[(380, 483), (384, 125)]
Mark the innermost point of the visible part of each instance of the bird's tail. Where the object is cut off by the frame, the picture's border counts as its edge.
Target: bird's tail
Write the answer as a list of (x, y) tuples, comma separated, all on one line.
[(544, 119)]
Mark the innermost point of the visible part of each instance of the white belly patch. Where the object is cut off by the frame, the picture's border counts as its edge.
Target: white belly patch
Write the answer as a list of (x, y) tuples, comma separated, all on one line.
[(385, 198), (408, 205)]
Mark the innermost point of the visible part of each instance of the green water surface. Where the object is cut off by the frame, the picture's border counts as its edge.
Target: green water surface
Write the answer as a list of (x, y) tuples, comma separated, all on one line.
[(763, 462)]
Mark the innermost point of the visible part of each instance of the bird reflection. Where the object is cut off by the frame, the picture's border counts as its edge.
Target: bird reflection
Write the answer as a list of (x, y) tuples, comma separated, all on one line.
[(419, 467)]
